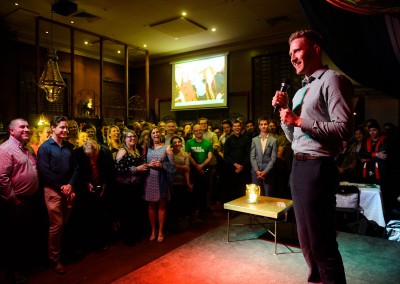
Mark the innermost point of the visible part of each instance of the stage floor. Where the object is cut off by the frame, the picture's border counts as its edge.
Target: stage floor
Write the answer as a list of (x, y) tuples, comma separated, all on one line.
[(210, 259)]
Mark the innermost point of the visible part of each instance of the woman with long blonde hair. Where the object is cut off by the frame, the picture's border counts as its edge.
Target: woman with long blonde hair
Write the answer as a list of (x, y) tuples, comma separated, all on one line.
[(114, 139)]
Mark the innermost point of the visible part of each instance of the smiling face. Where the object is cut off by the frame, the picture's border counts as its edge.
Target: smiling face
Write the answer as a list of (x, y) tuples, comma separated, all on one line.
[(19, 130), (91, 133), (114, 133), (130, 139), (305, 56), (237, 128), (155, 135), (198, 132), (176, 144), (61, 130)]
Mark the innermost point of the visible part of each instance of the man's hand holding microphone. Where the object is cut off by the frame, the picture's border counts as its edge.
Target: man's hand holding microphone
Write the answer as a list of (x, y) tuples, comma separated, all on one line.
[(280, 102)]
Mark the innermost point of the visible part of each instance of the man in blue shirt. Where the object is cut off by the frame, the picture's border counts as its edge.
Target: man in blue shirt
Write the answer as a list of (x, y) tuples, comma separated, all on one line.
[(58, 175)]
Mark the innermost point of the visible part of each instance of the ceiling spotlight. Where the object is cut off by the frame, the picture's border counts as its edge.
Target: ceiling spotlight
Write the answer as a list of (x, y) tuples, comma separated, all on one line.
[(86, 42), (119, 51), (72, 22), (47, 32), (184, 14), (213, 29), (16, 4), (144, 45)]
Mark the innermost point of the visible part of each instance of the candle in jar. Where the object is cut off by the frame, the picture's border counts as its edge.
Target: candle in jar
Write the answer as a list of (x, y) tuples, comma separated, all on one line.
[(252, 197)]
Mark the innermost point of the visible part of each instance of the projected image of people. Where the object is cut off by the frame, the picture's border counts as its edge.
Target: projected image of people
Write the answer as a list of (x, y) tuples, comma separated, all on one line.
[(185, 91), (199, 83), (214, 83)]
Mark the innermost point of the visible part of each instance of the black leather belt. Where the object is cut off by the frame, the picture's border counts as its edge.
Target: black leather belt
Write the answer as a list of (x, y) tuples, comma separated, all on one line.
[(308, 157)]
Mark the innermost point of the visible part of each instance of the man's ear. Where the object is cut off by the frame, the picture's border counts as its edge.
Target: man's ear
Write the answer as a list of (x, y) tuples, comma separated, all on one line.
[(317, 49)]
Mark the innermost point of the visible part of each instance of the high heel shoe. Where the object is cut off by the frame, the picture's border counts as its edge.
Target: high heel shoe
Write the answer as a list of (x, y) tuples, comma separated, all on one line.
[(160, 238), (152, 237)]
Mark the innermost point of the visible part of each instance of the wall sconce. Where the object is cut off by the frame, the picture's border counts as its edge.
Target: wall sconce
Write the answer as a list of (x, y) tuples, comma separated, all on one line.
[(252, 193), (42, 120), (51, 80)]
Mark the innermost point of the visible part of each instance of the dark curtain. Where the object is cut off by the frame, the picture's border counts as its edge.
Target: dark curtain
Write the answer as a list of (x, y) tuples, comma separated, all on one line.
[(359, 45)]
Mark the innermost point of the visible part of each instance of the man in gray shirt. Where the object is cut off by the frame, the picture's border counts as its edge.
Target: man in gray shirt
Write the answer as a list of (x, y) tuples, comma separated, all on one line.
[(320, 119)]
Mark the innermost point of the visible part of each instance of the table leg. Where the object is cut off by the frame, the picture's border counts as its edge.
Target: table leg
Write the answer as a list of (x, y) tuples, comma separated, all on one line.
[(228, 227), (275, 238)]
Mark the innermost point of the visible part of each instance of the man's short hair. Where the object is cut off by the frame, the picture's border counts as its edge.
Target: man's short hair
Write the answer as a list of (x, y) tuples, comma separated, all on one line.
[(249, 121), (262, 117), (310, 35), (373, 124), (227, 121), (171, 121), (202, 118), (237, 121), (57, 119), (14, 121)]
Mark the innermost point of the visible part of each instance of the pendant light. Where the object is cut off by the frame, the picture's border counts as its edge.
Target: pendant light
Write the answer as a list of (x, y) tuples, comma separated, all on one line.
[(51, 80)]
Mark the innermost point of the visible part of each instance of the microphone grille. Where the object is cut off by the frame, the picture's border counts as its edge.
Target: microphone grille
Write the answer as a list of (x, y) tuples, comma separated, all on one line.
[(286, 82)]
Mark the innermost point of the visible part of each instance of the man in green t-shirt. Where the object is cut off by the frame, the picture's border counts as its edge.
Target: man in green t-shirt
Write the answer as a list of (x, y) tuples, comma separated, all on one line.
[(200, 153)]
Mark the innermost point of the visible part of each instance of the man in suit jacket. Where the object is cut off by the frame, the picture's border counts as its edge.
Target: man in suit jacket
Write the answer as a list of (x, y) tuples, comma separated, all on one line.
[(263, 153)]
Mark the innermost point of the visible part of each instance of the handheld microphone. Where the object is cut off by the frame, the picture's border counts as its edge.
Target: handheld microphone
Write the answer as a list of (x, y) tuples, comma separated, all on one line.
[(284, 87)]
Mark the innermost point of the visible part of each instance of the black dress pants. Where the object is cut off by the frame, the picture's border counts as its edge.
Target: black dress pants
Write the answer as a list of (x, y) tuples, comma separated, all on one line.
[(20, 232), (313, 186)]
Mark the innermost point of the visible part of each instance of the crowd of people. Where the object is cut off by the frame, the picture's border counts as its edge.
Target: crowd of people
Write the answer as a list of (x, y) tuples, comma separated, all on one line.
[(123, 179), (80, 184)]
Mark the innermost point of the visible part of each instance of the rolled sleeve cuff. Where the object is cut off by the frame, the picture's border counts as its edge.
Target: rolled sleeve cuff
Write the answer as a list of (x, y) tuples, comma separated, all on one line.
[(307, 125)]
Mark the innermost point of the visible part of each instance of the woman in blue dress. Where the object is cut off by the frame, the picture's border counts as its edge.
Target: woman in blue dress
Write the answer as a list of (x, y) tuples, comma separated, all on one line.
[(159, 159)]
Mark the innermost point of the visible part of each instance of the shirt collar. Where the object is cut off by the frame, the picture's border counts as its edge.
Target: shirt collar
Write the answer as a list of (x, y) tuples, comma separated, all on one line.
[(316, 75), (19, 145), (17, 142)]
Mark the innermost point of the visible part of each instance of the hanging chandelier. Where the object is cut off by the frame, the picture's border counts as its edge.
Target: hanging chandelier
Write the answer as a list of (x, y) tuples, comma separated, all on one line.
[(51, 80)]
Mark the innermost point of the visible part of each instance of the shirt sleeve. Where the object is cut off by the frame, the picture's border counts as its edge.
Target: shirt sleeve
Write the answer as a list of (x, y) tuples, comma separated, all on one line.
[(6, 190), (215, 141), (288, 130)]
